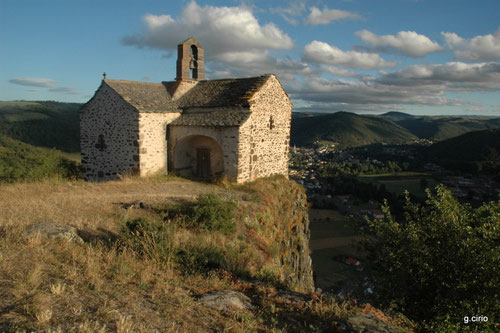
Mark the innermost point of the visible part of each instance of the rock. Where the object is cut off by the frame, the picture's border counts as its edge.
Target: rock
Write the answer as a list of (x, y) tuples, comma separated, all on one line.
[(293, 296), (226, 300), (368, 324), (53, 230)]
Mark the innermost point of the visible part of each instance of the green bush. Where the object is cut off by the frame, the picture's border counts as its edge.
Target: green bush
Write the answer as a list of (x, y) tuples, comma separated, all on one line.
[(233, 257), (150, 238), (199, 259), (215, 214), (439, 262)]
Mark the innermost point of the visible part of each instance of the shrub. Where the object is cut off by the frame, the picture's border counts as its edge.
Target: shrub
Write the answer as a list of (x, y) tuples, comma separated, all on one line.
[(150, 238), (215, 214), (440, 261), (199, 259)]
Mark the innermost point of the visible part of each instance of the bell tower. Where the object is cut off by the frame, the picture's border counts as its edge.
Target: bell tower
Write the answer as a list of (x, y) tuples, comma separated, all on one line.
[(190, 61)]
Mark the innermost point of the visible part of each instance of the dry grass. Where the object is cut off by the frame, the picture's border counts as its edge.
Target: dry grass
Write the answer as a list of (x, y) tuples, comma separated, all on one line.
[(102, 286)]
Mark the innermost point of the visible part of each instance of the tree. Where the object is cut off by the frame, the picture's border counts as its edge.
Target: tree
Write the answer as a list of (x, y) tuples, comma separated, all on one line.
[(438, 262)]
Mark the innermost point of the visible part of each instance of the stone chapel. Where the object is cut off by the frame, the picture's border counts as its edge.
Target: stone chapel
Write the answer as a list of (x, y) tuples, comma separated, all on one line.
[(192, 127)]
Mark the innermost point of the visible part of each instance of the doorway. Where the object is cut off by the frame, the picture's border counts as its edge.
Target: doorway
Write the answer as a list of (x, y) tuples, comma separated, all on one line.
[(203, 163)]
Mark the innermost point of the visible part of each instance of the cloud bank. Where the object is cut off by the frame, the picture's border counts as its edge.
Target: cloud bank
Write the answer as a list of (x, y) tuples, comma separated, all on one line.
[(414, 85)]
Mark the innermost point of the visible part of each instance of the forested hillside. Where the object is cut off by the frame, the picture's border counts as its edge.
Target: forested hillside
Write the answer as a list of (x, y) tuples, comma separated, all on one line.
[(473, 151), (45, 124), (22, 162), (347, 130), (440, 128)]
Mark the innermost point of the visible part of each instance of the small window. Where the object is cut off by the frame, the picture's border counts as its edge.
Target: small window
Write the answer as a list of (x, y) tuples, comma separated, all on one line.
[(101, 144), (271, 123)]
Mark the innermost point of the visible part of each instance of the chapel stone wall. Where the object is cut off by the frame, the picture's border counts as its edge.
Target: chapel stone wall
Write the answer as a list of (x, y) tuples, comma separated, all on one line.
[(153, 141), (265, 136), (109, 133)]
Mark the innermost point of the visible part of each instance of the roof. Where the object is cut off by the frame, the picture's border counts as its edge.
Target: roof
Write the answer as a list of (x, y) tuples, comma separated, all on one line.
[(223, 93), (213, 118), (155, 97), (144, 96)]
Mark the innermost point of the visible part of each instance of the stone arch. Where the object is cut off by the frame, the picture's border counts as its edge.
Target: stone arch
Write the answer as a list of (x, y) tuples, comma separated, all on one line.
[(198, 157)]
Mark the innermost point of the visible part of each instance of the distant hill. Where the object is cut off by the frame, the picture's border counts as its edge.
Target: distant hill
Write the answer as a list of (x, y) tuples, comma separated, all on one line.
[(46, 124), (20, 161), (347, 129), (440, 128), (397, 116), (473, 151)]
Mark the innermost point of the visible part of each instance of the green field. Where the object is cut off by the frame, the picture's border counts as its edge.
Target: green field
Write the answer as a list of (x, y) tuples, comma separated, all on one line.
[(332, 235), (399, 182), (328, 223)]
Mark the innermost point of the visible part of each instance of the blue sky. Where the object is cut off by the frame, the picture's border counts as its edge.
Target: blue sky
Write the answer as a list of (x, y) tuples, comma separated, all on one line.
[(415, 56)]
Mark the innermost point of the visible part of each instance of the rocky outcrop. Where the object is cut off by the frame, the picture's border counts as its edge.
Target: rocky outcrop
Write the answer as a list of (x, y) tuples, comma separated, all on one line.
[(368, 324), (226, 300), (53, 230), (280, 227)]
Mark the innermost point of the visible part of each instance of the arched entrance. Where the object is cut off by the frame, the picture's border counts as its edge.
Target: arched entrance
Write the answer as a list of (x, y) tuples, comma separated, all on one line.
[(198, 157)]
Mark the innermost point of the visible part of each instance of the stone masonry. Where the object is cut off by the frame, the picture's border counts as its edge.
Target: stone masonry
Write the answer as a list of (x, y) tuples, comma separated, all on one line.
[(197, 128)]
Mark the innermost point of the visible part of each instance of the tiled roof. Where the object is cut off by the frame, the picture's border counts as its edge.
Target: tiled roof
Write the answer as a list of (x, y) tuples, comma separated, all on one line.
[(222, 93), (144, 96), (155, 97), (212, 118)]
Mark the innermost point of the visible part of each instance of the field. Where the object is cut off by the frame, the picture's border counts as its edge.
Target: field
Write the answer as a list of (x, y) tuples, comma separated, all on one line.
[(332, 235), (399, 182)]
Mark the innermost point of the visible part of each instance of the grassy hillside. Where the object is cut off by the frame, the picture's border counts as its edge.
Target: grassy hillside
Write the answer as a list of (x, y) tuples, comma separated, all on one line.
[(46, 124), (440, 128), (141, 267), (20, 161), (347, 129), (470, 151)]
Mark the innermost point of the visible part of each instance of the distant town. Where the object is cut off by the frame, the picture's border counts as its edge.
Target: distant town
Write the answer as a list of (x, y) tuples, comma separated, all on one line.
[(316, 168)]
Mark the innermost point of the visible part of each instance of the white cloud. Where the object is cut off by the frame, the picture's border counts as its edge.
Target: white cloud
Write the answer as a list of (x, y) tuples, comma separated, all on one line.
[(415, 85), (326, 15), (33, 82), (225, 32), (65, 90), (321, 52), (479, 48), (408, 43)]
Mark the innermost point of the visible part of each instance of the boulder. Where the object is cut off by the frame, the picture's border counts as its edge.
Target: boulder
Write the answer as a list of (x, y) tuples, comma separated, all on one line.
[(368, 324), (53, 230), (227, 300)]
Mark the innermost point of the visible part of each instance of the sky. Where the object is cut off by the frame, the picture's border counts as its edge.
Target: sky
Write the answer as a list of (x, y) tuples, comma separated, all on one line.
[(424, 57)]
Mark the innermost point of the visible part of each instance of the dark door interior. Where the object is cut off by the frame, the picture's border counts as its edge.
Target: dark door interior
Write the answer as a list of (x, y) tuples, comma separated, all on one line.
[(203, 163)]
